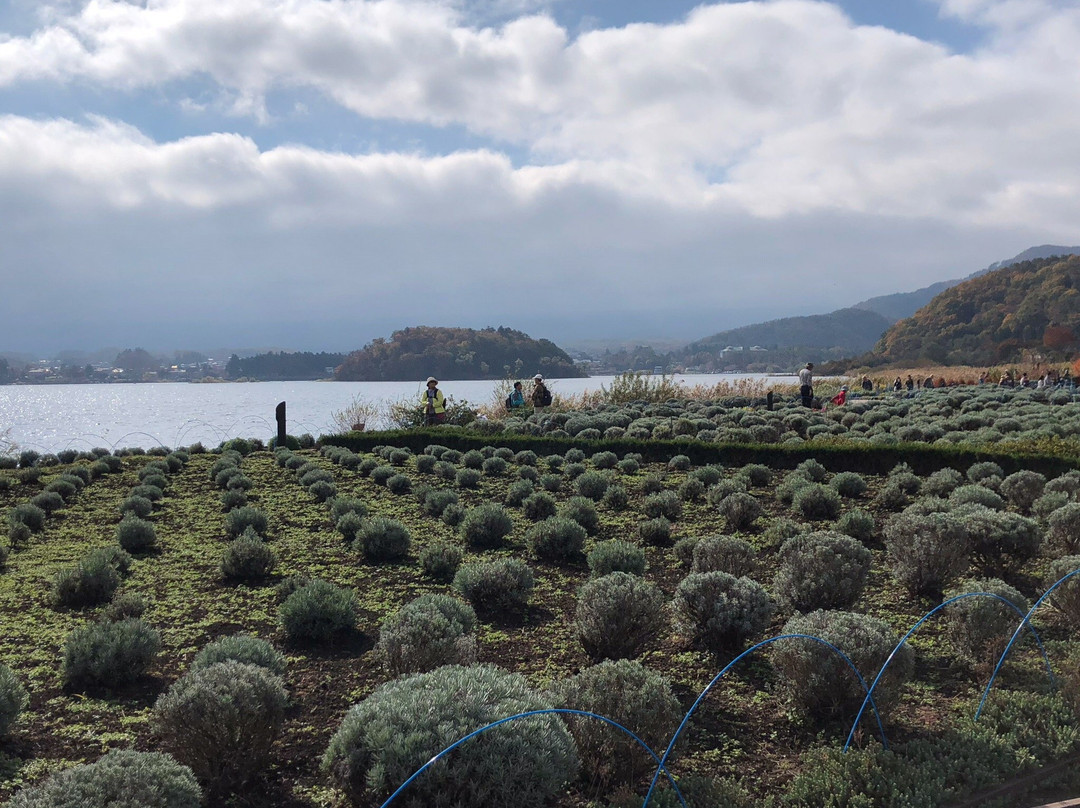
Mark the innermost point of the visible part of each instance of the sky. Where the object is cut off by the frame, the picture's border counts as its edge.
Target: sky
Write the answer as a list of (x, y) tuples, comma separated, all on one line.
[(311, 174)]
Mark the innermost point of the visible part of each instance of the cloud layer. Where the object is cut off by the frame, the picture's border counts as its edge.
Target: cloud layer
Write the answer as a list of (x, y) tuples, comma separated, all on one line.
[(750, 146)]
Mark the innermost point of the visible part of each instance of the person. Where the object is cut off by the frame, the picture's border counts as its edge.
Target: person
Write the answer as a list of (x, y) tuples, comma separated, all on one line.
[(840, 398), (516, 399), (910, 383), (867, 385), (982, 377), (928, 384), (434, 403), (541, 396), (1023, 380), (897, 385), (806, 384)]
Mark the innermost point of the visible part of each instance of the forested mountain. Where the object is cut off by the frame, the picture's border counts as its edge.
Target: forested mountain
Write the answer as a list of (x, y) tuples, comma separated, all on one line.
[(1006, 315), (456, 353), (904, 304), (852, 330), (284, 366)]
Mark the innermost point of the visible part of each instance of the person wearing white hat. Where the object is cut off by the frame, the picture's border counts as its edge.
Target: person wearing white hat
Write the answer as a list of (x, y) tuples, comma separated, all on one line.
[(434, 403), (541, 396)]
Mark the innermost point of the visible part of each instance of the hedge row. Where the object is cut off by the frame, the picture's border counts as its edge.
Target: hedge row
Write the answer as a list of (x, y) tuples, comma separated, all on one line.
[(864, 459)]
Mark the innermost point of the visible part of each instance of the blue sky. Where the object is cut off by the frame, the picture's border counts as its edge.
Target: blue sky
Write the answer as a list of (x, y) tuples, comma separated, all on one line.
[(170, 171)]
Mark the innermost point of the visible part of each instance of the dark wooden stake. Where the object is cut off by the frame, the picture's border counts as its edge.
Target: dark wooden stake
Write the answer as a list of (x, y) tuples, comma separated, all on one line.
[(280, 413)]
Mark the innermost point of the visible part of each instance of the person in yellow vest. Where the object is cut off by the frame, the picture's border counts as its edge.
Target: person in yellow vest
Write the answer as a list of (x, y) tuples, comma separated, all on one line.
[(434, 403)]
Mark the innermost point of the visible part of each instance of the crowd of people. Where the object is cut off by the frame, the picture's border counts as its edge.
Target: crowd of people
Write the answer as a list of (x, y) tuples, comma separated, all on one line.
[(1048, 379)]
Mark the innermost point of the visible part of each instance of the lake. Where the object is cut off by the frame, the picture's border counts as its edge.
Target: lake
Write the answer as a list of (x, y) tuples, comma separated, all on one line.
[(50, 418)]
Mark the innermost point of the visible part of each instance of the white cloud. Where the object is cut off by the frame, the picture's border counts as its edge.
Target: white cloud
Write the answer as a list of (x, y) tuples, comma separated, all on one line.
[(755, 147), (790, 103)]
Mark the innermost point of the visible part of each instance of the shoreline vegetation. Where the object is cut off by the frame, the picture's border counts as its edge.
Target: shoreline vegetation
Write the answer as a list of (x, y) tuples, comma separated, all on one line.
[(611, 553)]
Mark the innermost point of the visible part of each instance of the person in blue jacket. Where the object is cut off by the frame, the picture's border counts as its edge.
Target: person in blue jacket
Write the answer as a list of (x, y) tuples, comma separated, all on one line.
[(516, 400)]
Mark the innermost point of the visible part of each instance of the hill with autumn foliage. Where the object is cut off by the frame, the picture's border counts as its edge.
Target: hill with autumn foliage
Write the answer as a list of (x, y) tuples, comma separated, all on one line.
[(1009, 315), (456, 353)]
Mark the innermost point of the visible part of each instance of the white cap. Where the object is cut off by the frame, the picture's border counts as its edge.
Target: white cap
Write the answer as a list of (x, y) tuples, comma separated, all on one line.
[(538, 378), (431, 379)]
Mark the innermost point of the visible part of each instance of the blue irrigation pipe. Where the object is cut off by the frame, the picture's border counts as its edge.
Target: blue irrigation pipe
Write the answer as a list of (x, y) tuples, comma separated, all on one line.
[(1016, 634), (729, 666), (922, 620), (553, 711)]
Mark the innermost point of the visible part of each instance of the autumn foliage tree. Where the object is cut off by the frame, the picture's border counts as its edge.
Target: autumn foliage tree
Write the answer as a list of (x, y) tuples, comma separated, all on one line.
[(456, 353)]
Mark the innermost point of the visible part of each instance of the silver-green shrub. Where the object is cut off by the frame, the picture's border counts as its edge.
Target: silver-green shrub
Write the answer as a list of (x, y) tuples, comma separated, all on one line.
[(441, 560), (582, 511), (942, 482), (486, 526), (927, 551), (616, 498), (405, 722), (719, 611), (383, 539), (539, 506), (812, 470), (1063, 531), (437, 501), (980, 627), (848, 484), (247, 558), (679, 463), (632, 695), (317, 611), (617, 614), (241, 648), (1022, 489), (978, 472), (556, 538), (1049, 502), (26, 514), (724, 554), (13, 699), (1066, 598), (240, 519), (821, 570), (120, 779), (857, 523), (999, 540), (740, 510), (891, 497), (91, 581), (135, 535), (664, 503), (221, 721), (492, 586), (518, 493), (655, 532), (108, 654), (592, 484), (616, 556), (976, 495), (818, 683), (428, 632)]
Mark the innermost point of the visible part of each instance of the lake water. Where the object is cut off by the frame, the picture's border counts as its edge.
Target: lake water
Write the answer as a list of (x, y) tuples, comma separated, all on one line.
[(49, 418)]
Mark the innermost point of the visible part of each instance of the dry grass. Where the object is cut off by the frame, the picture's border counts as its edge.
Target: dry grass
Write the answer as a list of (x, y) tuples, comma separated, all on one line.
[(641, 387)]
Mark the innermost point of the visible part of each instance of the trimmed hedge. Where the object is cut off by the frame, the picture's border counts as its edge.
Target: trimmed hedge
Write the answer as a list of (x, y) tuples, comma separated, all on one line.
[(923, 459)]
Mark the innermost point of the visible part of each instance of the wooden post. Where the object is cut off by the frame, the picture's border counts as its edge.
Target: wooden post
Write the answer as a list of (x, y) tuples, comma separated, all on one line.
[(280, 413)]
